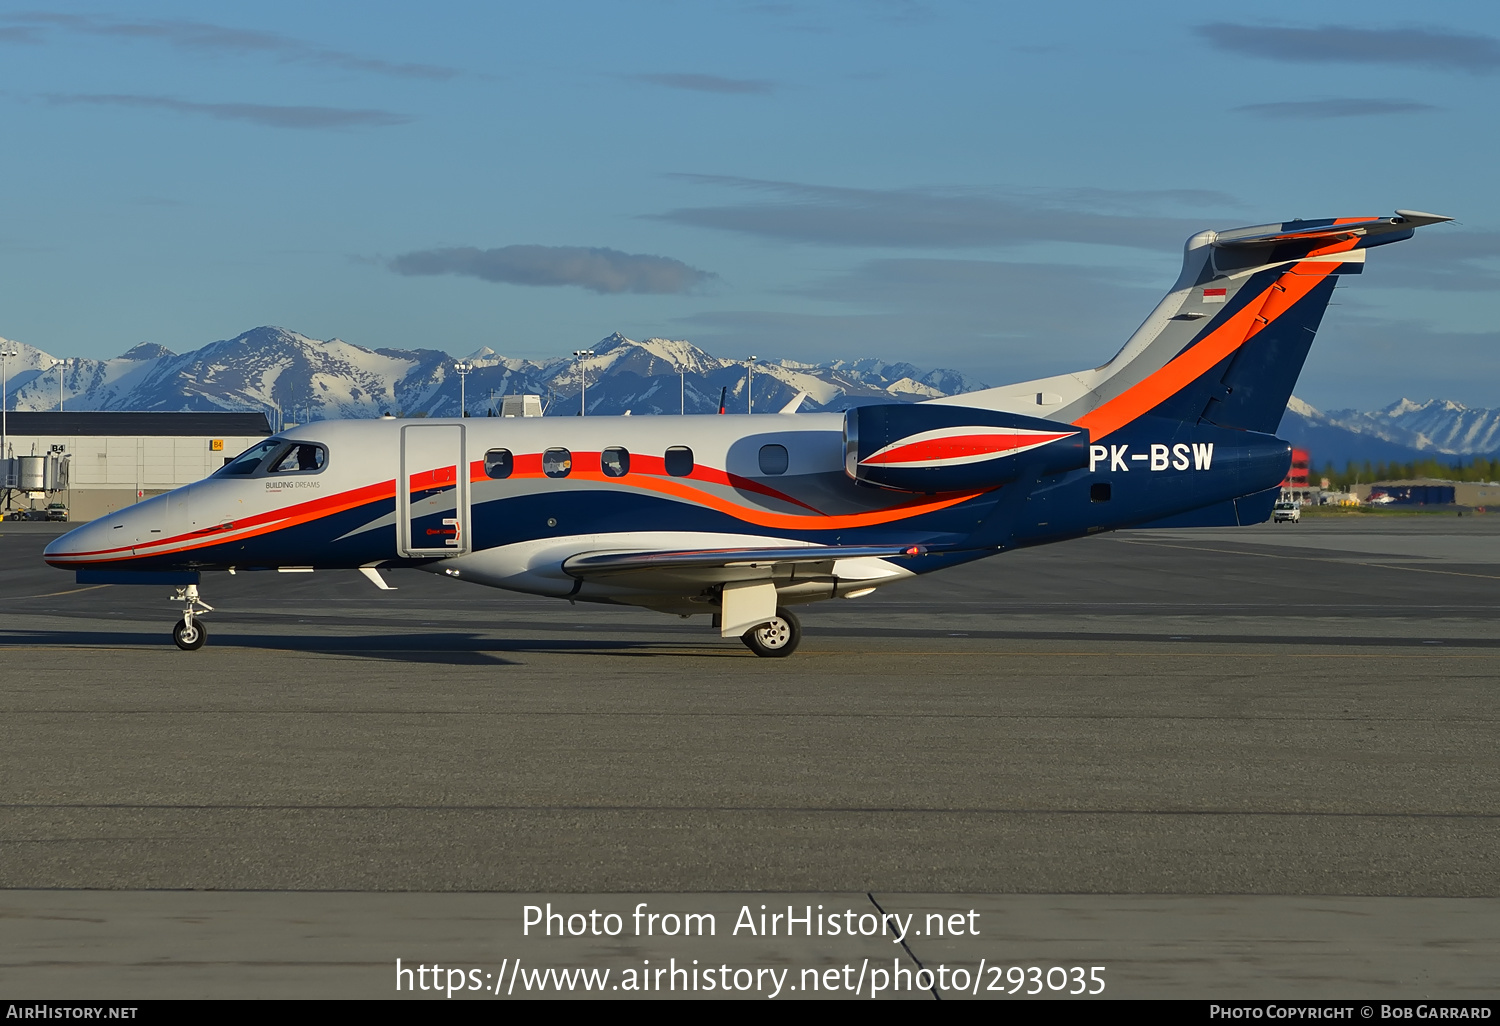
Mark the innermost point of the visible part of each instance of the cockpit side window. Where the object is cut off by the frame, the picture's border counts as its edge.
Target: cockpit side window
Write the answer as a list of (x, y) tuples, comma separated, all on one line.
[(301, 458), (247, 461)]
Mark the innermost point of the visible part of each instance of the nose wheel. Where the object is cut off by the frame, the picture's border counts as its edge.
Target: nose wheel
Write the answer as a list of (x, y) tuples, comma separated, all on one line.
[(775, 639), (189, 634)]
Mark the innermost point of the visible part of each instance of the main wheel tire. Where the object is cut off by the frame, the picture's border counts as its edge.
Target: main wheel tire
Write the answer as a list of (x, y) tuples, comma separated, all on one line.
[(189, 639), (776, 639)]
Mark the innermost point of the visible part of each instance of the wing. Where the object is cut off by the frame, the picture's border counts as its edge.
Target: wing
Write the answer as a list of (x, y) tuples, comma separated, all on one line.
[(699, 567)]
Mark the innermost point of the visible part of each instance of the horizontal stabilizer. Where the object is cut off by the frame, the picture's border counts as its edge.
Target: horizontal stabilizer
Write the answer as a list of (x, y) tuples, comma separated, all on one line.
[(1334, 230)]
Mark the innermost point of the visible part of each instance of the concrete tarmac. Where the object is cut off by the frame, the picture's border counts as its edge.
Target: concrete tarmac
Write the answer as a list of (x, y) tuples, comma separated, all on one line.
[(1219, 722)]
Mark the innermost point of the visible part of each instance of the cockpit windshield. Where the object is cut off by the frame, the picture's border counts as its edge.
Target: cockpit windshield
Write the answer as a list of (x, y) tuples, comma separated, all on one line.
[(301, 458), (247, 461)]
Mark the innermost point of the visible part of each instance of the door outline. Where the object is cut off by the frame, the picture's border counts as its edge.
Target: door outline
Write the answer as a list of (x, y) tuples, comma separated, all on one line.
[(461, 490)]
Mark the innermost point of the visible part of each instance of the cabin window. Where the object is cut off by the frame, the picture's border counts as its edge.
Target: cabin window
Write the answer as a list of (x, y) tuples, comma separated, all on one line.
[(1099, 492), (498, 464), (679, 461), (615, 462), (773, 459), (247, 461), (302, 458), (557, 463)]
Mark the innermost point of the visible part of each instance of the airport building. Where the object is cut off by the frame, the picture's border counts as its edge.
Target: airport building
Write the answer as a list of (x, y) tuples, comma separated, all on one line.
[(1429, 491), (96, 463)]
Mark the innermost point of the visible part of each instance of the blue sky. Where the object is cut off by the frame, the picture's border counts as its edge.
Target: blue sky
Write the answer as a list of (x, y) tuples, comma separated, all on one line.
[(1003, 189)]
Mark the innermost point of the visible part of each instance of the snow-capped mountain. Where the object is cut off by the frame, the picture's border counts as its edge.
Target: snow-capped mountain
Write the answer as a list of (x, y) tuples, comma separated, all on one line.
[(274, 369), (1404, 430), (1439, 425)]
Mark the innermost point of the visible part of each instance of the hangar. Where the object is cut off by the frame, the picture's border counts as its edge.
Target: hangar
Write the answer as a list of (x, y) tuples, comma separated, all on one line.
[(104, 461)]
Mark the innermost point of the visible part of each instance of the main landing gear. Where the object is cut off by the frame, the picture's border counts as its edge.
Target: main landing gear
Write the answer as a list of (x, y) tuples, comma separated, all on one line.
[(776, 639), (189, 634)]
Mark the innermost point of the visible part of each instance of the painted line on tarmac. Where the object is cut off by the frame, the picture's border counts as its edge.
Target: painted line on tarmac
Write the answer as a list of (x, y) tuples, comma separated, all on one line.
[(1454, 652), (879, 809), (1312, 559), (54, 594)]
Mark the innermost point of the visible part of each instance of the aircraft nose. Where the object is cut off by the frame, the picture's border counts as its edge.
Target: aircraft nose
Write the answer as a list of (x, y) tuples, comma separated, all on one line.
[(95, 542)]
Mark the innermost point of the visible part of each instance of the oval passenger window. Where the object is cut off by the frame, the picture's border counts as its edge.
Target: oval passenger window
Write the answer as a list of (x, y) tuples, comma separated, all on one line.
[(557, 463), (615, 462), (773, 459), (498, 463), (679, 461)]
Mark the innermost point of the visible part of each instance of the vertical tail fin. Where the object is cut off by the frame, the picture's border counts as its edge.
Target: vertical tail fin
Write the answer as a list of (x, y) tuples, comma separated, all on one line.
[(1227, 343)]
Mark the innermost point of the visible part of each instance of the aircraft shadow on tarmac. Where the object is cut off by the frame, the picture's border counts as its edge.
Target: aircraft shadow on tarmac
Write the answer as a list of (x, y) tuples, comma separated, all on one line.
[(430, 647), (456, 649)]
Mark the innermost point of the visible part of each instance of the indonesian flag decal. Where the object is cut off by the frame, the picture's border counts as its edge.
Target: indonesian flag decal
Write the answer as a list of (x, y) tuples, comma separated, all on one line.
[(949, 447), (1216, 295)]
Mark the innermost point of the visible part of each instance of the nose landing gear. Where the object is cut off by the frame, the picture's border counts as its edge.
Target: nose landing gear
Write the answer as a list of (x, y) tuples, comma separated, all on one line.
[(189, 634)]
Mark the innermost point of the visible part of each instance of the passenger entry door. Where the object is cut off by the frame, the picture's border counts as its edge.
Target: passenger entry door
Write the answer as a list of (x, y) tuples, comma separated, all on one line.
[(432, 493)]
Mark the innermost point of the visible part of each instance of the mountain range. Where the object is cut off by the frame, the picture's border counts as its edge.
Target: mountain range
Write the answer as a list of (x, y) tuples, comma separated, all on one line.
[(1404, 431), (297, 379)]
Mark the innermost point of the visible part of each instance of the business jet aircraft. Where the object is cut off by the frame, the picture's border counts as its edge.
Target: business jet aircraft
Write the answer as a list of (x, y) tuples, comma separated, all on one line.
[(742, 517)]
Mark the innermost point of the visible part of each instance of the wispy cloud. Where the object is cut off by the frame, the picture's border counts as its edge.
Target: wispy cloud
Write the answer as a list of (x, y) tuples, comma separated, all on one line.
[(946, 218), (997, 319), (1453, 260), (255, 113), (19, 34), (206, 37), (595, 269), (706, 83), (1347, 44), (1348, 107)]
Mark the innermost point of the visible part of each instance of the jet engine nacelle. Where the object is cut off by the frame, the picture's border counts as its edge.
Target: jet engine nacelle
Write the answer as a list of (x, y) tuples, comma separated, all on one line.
[(929, 448)]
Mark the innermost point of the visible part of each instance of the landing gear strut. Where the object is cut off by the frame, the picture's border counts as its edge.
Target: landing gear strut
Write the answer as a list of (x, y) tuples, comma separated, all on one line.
[(189, 634), (775, 639)]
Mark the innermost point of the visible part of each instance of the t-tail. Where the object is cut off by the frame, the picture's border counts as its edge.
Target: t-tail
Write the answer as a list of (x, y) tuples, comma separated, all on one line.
[(1181, 422), (1227, 343)]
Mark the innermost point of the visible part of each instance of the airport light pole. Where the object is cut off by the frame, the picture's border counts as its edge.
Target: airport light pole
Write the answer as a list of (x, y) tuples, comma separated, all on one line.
[(583, 374), (463, 367), (62, 367), (8, 351), (750, 385)]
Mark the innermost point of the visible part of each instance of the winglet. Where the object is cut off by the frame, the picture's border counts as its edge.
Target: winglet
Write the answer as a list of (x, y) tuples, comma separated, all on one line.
[(791, 407)]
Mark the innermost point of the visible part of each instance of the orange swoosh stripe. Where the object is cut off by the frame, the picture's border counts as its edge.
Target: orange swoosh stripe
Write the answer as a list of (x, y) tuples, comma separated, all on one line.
[(1187, 367), (676, 488)]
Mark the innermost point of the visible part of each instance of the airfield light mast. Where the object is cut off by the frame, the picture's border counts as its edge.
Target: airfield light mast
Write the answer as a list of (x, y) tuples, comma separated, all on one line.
[(62, 366), (7, 351), (463, 367), (750, 385), (583, 375)]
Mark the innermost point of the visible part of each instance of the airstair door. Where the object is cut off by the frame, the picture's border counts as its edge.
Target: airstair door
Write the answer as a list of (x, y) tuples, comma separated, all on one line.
[(432, 493)]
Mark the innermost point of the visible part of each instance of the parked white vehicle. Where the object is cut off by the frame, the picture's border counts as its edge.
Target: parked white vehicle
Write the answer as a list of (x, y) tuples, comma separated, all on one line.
[(1286, 512)]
